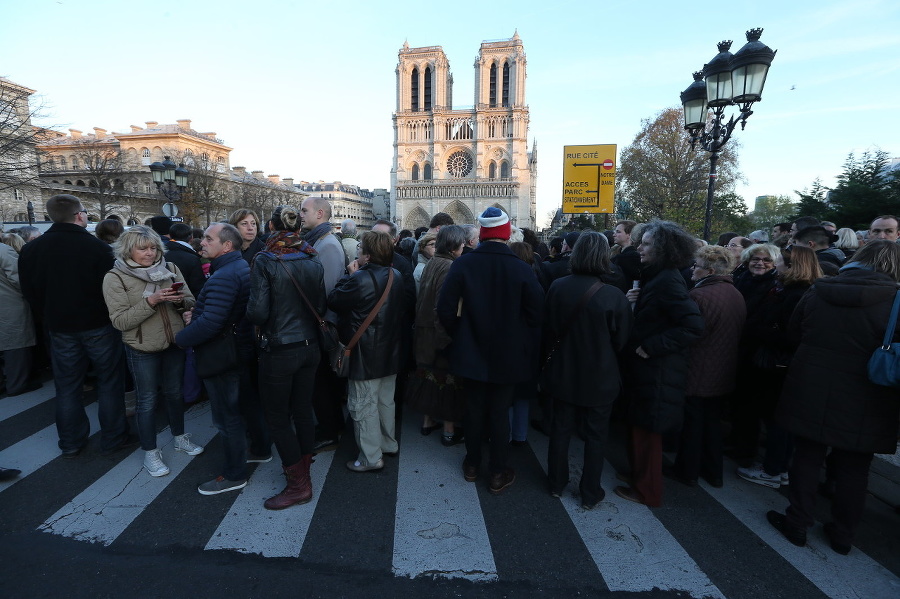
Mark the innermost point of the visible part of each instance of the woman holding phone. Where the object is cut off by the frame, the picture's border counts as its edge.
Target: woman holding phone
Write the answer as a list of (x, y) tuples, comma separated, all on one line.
[(145, 296)]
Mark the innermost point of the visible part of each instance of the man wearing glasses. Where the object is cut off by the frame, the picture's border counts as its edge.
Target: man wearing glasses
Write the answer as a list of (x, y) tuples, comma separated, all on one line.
[(62, 274)]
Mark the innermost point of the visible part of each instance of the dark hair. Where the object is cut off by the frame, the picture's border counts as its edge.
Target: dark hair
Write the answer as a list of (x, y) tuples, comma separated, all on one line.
[(180, 232), (881, 255), (242, 213), (590, 256), (783, 227), (391, 226), (63, 207), (522, 250), (817, 234), (161, 224), (378, 246), (285, 218), (109, 230), (406, 246), (530, 237), (556, 244), (673, 247), (197, 233), (806, 221), (229, 232), (404, 233), (440, 219), (449, 239), (724, 238), (419, 232), (627, 225)]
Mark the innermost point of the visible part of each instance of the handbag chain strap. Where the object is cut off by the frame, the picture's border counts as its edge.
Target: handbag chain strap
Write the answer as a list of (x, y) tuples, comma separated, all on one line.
[(892, 323)]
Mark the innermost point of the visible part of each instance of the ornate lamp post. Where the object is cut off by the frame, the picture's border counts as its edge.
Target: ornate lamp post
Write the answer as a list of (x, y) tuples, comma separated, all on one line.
[(170, 181), (728, 79)]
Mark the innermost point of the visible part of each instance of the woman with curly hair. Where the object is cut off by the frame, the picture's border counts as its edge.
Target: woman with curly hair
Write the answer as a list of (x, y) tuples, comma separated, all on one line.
[(655, 361)]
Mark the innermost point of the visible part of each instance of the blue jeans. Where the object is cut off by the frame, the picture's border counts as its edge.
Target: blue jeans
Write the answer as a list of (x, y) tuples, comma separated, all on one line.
[(224, 399), (71, 354), (152, 371), (286, 378)]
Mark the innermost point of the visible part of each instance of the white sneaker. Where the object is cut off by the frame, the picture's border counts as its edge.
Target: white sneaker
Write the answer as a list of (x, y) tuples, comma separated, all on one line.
[(756, 474), (785, 479), (183, 443), (154, 464)]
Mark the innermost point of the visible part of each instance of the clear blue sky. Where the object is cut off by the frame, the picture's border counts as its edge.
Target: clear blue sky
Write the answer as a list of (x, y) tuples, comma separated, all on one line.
[(306, 89)]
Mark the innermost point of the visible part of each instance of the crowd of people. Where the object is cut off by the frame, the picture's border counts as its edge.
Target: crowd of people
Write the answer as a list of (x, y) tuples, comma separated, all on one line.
[(480, 329)]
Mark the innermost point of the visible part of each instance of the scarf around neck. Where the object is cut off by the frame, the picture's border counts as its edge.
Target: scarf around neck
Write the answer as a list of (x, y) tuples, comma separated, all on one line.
[(153, 275), (317, 233), (288, 242)]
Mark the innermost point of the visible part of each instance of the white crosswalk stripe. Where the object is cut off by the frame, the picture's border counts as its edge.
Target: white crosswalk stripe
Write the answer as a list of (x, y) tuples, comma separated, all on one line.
[(439, 524)]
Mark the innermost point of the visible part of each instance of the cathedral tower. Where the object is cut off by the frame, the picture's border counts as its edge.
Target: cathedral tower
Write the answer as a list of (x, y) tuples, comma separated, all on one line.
[(462, 161)]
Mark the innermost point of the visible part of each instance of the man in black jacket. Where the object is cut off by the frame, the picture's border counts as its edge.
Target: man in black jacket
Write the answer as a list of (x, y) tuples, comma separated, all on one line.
[(61, 273), (180, 253)]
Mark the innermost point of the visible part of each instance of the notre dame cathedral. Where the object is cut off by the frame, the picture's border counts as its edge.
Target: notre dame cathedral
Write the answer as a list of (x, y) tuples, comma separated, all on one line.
[(460, 161)]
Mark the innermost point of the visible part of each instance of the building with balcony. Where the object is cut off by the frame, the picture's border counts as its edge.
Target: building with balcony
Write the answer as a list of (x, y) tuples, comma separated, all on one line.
[(462, 160)]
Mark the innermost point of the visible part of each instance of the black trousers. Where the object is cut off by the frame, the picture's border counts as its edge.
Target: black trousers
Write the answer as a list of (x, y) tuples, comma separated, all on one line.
[(488, 411), (328, 393), (851, 475), (700, 451), (594, 423), (286, 378)]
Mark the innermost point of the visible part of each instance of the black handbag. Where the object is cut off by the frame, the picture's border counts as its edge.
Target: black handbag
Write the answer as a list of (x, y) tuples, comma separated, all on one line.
[(884, 365), (585, 298), (216, 356)]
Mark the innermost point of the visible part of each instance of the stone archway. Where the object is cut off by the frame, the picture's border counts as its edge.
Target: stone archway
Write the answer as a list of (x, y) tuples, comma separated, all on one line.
[(417, 217), (460, 213)]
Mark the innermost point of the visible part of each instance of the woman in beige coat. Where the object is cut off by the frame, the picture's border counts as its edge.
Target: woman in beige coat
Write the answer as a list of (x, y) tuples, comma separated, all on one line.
[(145, 297)]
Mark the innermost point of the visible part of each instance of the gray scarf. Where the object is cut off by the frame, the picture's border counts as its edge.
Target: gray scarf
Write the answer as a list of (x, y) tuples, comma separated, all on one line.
[(153, 275), (317, 233)]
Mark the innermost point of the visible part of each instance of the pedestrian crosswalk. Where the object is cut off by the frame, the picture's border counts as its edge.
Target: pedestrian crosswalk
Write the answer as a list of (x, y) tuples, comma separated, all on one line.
[(426, 518)]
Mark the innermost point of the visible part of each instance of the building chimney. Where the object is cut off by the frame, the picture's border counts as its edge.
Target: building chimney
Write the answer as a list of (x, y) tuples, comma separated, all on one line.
[(239, 170), (257, 174), (288, 181), (99, 133), (275, 179), (184, 123), (135, 128), (210, 134), (151, 124), (75, 133)]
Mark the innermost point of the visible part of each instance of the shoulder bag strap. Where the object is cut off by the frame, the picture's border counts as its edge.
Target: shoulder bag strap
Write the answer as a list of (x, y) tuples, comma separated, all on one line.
[(371, 315), (300, 291), (892, 323)]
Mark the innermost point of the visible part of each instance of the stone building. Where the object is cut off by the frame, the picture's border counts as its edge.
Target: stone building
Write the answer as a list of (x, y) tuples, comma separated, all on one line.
[(18, 157), (460, 161), (109, 171), (347, 201)]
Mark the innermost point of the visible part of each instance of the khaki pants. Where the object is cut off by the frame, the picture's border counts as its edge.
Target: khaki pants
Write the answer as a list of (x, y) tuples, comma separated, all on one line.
[(371, 406)]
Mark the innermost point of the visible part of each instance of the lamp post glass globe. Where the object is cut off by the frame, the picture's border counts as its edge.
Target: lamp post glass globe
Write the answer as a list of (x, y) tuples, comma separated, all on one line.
[(170, 169)]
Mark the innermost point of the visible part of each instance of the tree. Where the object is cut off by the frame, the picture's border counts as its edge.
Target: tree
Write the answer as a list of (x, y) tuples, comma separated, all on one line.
[(771, 210), (104, 168), (205, 195), (813, 201), (18, 156), (660, 176), (865, 189)]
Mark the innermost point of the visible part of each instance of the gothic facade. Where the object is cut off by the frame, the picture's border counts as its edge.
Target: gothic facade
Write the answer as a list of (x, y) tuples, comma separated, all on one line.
[(460, 161)]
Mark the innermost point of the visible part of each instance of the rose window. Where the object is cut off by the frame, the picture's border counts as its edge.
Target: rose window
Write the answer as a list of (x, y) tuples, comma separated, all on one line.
[(459, 164)]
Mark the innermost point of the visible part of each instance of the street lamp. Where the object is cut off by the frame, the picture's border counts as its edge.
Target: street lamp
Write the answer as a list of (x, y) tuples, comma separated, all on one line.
[(728, 79), (170, 179)]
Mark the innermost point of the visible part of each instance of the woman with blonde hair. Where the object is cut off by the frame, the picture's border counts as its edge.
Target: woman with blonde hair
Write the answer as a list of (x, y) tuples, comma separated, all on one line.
[(847, 241), (145, 297)]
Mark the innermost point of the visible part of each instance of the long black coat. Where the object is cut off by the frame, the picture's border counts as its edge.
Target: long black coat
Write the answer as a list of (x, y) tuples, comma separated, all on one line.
[(827, 396), (666, 322), (378, 353), (584, 369), (188, 262), (496, 337)]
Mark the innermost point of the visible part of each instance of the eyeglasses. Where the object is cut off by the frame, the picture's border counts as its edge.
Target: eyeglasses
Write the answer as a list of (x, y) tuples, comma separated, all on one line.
[(734, 245), (764, 260), (80, 212)]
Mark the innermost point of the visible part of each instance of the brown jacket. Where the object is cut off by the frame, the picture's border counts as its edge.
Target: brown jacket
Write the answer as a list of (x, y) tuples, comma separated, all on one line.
[(430, 336), (714, 356)]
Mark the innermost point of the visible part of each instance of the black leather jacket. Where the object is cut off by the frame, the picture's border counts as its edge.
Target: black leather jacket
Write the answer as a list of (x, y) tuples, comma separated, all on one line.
[(378, 353), (276, 306)]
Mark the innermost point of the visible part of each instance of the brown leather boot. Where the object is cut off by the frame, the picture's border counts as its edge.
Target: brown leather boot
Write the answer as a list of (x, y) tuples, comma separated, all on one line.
[(298, 489)]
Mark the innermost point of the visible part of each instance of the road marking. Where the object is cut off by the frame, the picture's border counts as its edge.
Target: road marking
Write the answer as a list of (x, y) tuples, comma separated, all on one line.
[(439, 528), (634, 552), (10, 406), (105, 509), (37, 450), (248, 527), (838, 576)]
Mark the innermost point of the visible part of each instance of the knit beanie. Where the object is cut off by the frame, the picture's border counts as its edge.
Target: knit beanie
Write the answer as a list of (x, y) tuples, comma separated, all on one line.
[(494, 224)]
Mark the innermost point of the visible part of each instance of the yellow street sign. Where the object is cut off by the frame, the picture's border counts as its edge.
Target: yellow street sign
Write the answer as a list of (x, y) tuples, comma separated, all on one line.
[(589, 179)]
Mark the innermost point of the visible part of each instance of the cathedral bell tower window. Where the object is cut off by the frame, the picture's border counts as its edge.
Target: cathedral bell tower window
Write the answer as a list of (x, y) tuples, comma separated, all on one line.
[(505, 84), (427, 88), (493, 86), (415, 90)]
